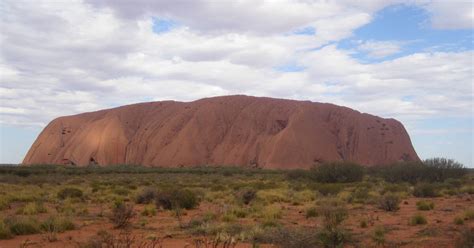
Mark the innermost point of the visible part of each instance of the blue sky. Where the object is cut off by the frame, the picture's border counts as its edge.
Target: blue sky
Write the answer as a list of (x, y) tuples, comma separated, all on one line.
[(408, 61)]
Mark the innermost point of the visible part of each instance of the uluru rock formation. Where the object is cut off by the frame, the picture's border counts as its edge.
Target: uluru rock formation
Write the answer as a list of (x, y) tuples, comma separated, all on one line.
[(228, 130)]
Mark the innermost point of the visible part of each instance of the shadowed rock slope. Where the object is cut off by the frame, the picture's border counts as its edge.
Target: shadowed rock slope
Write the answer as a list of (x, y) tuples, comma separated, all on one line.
[(228, 130)]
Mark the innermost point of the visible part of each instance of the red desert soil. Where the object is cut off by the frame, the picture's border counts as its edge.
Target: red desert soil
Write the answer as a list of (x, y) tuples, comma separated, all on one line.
[(228, 130), (440, 231)]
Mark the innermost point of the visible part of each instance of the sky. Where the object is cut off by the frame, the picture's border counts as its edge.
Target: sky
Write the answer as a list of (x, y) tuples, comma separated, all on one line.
[(409, 60)]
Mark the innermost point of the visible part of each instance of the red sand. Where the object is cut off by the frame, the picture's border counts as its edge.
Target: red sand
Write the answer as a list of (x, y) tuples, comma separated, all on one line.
[(228, 130)]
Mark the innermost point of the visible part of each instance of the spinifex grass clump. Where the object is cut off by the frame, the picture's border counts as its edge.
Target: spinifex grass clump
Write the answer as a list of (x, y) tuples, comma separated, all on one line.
[(425, 190), (70, 193), (389, 202), (425, 205), (418, 219), (22, 225), (176, 198)]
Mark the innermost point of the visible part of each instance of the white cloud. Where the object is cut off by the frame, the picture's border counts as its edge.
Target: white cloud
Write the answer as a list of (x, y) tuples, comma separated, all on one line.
[(458, 14), (62, 58), (380, 49)]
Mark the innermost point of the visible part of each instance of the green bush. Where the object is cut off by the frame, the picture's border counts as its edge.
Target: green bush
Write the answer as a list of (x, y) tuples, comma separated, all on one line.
[(69, 193), (32, 208), (22, 226), (363, 224), (360, 195), (425, 190), (146, 196), (440, 169), (417, 219), (311, 212), (425, 205), (297, 174), (121, 215), (248, 195), (149, 210), (469, 214), (379, 236), (291, 237), (458, 220), (465, 238), (5, 232), (430, 170), (389, 202), (332, 234), (176, 198), (337, 172), (57, 224), (328, 189)]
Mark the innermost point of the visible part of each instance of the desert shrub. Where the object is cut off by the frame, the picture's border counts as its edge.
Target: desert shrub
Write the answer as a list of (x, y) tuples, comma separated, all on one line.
[(469, 189), (149, 210), (248, 195), (458, 220), (465, 238), (359, 195), (378, 236), (425, 190), (417, 219), (121, 191), (297, 174), (291, 237), (176, 198), (5, 232), (273, 195), (395, 188), (363, 224), (311, 212), (240, 212), (4, 203), (456, 183), (389, 202), (327, 189), (469, 214), (57, 224), (271, 212), (70, 193), (32, 208), (146, 196), (121, 215), (425, 205), (22, 226), (332, 234), (123, 239), (337, 172), (440, 169), (430, 170)]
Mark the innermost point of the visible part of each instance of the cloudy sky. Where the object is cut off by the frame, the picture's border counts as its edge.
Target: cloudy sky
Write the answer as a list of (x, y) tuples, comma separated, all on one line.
[(410, 60)]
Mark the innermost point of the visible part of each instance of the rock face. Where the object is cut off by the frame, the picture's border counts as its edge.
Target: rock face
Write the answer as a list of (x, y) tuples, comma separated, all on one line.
[(228, 130)]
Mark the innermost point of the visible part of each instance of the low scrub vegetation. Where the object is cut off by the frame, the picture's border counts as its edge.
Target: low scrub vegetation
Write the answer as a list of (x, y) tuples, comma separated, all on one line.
[(430, 170), (337, 172), (121, 215), (176, 198), (425, 205), (418, 219), (389, 202), (69, 193), (331, 205)]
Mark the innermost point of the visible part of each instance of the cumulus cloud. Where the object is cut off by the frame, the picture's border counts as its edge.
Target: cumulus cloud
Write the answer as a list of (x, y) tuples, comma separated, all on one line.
[(380, 49), (451, 14), (62, 58)]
